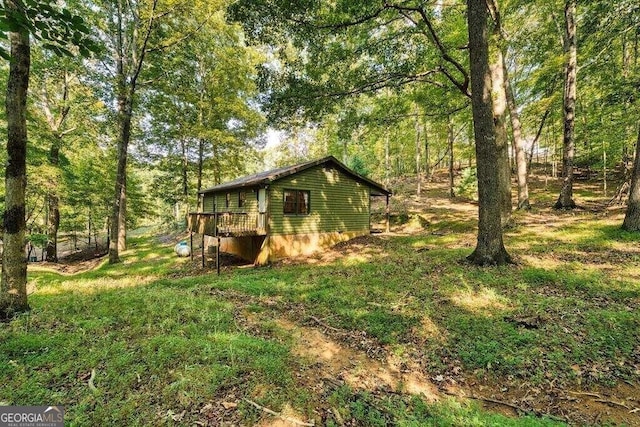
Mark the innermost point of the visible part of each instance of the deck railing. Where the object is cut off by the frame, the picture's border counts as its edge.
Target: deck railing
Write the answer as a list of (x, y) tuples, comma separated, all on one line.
[(228, 223)]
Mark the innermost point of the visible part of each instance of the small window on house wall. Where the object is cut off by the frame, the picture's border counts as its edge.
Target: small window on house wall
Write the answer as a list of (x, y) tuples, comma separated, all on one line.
[(296, 202), (227, 201), (242, 199)]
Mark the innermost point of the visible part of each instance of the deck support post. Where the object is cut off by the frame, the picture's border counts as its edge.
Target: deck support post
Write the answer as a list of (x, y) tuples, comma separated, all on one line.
[(218, 257), (387, 212), (203, 252)]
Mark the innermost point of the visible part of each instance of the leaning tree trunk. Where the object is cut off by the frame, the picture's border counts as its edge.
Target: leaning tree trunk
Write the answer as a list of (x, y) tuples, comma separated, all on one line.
[(490, 248), (13, 286), (632, 217), (565, 199)]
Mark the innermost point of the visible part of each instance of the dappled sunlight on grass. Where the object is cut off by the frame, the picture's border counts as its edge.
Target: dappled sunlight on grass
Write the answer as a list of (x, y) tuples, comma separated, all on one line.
[(484, 301), (133, 257), (155, 256), (429, 330), (435, 241), (66, 270), (146, 350), (353, 259), (165, 337), (89, 286), (537, 261)]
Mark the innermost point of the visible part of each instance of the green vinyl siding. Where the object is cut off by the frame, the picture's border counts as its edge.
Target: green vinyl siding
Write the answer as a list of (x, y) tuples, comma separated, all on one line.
[(337, 203), (207, 203), (251, 201)]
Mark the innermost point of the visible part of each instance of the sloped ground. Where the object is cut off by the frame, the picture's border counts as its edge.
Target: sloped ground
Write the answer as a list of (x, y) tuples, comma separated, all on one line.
[(391, 329)]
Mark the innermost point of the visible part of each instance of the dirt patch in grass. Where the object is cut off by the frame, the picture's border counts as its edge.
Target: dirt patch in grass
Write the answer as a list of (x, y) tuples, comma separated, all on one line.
[(332, 361), (617, 405), (331, 358), (329, 363), (76, 262)]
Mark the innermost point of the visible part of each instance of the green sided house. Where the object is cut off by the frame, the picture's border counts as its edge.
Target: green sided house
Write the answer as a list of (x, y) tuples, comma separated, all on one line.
[(295, 210)]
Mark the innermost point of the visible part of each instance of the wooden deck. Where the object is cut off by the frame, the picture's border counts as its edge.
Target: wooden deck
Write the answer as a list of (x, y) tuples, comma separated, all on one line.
[(228, 224)]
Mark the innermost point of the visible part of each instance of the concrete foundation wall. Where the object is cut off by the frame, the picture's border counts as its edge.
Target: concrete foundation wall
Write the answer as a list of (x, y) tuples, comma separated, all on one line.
[(262, 250), (246, 248), (291, 245)]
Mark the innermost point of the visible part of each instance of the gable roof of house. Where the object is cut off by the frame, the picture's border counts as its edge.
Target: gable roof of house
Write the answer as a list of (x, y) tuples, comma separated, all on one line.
[(272, 175)]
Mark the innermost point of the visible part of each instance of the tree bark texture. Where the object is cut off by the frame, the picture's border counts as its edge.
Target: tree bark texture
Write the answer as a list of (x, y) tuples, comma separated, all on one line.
[(565, 199), (518, 142), (122, 231), (13, 286), (129, 62), (418, 162), (450, 141), (387, 159), (184, 166), (52, 198), (53, 206), (427, 166), (200, 162), (499, 106), (632, 216), (184, 169), (490, 248), (117, 241)]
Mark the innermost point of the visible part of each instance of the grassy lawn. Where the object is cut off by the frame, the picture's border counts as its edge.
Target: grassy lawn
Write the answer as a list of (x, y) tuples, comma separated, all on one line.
[(154, 341)]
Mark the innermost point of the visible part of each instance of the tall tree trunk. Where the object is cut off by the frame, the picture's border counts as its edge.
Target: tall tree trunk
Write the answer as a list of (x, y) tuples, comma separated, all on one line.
[(199, 206), (52, 198), (184, 170), (490, 248), (122, 215), (217, 173), (450, 141), (518, 142), (387, 159), (345, 151), (53, 204), (200, 143), (565, 199), (129, 57), (13, 286), (499, 106), (427, 164), (117, 241), (632, 216), (185, 180), (418, 150), (536, 139)]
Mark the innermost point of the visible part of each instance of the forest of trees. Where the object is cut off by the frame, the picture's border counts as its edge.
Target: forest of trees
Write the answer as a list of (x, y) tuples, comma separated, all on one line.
[(132, 107)]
